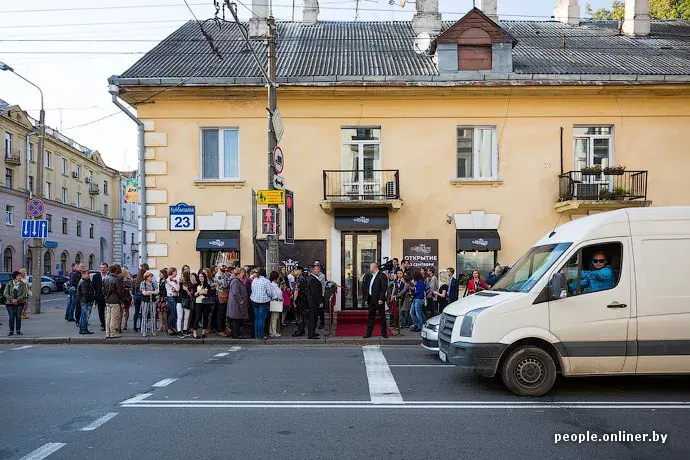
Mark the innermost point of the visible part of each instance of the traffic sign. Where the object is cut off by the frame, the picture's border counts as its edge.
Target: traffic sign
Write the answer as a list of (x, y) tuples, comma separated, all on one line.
[(270, 197), (35, 207), (277, 122), (182, 217), (278, 160), (51, 244), (268, 221), (278, 182), (34, 229)]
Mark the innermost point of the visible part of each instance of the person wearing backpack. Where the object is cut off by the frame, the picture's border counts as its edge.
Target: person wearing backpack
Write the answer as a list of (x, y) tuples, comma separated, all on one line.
[(86, 295), (16, 293)]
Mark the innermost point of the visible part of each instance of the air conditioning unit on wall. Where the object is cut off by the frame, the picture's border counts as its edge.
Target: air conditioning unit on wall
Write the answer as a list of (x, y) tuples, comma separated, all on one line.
[(75, 174)]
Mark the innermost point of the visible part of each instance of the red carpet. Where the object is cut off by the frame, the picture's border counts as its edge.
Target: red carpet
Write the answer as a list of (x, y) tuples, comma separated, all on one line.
[(353, 323)]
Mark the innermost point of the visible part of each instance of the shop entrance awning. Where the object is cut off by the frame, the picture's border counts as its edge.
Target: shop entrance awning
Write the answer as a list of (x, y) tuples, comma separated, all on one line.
[(361, 219), (478, 240), (218, 240)]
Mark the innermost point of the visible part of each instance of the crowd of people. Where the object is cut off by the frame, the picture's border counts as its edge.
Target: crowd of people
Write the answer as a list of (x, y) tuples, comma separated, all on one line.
[(222, 300)]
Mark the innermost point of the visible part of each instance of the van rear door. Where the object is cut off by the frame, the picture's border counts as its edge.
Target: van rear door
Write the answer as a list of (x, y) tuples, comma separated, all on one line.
[(591, 318)]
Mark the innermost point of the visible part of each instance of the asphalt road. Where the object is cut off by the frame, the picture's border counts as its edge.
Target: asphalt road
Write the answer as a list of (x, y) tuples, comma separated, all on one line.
[(148, 402)]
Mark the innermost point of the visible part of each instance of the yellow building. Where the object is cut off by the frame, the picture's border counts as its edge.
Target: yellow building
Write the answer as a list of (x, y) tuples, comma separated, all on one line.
[(80, 193), (460, 156)]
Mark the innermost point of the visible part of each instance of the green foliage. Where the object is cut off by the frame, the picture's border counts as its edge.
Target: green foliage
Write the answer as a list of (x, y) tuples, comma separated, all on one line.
[(658, 9), (616, 12)]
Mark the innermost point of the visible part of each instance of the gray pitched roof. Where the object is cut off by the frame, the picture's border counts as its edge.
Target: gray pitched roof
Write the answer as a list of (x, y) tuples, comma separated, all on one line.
[(385, 49)]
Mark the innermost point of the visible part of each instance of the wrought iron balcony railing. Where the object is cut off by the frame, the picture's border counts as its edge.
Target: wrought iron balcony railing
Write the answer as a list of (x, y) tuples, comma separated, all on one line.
[(367, 184), (603, 186)]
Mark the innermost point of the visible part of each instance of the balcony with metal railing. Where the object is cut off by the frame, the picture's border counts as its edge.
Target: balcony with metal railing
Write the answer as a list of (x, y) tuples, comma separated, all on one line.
[(601, 190), (13, 157), (93, 189), (361, 188)]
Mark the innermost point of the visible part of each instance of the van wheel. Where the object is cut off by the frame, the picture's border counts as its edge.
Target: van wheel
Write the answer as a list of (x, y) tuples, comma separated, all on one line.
[(45, 290), (529, 371)]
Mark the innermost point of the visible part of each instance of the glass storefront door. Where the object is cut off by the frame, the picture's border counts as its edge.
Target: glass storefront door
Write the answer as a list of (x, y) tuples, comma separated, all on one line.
[(359, 250)]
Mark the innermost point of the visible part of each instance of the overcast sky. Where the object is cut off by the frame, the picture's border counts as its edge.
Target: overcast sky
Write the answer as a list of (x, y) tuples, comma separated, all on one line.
[(33, 41)]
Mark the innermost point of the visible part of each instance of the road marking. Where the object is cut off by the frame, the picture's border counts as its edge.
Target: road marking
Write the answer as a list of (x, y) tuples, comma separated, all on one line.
[(137, 398), (98, 422), (412, 403), (235, 349), (366, 405), (382, 386), (22, 347), (220, 355), (163, 383), (421, 365), (43, 451)]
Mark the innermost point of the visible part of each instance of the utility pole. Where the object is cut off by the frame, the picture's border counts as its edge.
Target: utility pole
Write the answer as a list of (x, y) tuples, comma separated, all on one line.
[(273, 253)]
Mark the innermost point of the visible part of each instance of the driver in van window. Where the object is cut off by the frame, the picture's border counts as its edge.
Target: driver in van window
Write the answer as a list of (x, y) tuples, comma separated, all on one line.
[(600, 278)]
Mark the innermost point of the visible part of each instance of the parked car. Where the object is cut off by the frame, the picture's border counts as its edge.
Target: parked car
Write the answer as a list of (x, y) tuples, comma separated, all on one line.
[(47, 284), (602, 295), (430, 333), (60, 281)]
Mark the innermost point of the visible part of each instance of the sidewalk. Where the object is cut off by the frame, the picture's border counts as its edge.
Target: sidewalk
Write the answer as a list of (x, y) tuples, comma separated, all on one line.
[(50, 327)]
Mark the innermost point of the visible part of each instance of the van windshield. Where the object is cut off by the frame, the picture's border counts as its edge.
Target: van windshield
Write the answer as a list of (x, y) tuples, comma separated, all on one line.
[(530, 268)]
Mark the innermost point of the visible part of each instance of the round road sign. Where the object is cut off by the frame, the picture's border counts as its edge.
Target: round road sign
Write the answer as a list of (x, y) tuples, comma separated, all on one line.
[(35, 207), (278, 160)]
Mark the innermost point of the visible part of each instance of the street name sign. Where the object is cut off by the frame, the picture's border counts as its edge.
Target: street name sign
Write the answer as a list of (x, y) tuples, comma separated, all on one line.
[(182, 217)]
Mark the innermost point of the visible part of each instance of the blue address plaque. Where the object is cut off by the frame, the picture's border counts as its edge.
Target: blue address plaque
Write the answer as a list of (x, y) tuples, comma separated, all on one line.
[(182, 217)]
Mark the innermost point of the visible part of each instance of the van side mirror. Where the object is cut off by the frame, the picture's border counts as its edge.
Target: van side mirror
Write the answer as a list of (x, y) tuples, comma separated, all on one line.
[(557, 286)]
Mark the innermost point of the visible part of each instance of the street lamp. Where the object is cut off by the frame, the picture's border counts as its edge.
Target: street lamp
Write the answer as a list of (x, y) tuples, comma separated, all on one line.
[(37, 249)]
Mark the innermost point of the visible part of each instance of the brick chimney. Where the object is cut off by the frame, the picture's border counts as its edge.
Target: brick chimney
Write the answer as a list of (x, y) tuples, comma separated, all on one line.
[(637, 22), (257, 23), (567, 11), (427, 19), (310, 12), (489, 8)]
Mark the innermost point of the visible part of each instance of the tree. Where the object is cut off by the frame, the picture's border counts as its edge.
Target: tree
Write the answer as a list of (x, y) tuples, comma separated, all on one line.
[(616, 12), (669, 9)]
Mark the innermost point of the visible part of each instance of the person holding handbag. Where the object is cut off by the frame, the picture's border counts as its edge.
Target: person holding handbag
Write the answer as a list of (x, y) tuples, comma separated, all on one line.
[(148, 290), (202, 305), (276, 305)]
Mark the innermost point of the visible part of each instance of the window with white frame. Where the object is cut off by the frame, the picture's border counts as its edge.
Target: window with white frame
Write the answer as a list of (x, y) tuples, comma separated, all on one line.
[(31, 184), (30, 152), (49, 218), (105, 187), (78, 228), (48, 189), (9, 215), (78, 171), (91, 203), (64, 225), (78, 200), (64, 195), (91, 231), (105, 210), (8, 144), (47, 159), (8, 178), (477, 152), (220, 153), (64, 166), (593, 146)]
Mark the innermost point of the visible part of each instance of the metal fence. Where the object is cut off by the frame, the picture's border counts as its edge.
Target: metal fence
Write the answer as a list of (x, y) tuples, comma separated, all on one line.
[(603, 186), (367, 184)]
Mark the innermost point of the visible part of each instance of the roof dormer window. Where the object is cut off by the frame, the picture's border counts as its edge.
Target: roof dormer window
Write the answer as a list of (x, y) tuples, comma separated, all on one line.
[(474, 50)]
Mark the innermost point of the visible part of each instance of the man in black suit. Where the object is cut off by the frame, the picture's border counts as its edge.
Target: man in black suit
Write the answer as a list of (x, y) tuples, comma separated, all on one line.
[(314, 300), (374, 285), (98, 288)]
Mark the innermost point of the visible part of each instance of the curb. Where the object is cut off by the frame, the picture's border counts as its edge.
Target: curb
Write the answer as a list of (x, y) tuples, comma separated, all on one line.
[(334, 341)]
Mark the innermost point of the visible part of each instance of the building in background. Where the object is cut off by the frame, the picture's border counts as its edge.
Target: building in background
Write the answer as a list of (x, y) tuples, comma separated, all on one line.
[(80, 191), (126, 226), (457, 151)]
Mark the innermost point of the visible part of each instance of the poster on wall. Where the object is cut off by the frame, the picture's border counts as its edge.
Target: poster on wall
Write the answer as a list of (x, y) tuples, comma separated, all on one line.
[(421, 253), (302, 253), (131, 190)]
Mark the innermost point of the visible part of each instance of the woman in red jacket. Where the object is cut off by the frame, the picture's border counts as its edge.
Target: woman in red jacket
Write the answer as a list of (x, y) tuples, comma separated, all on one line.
[(476, 283)]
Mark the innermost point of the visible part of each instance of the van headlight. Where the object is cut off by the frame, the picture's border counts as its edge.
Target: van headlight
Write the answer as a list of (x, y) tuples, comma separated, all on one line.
[(468, 322)]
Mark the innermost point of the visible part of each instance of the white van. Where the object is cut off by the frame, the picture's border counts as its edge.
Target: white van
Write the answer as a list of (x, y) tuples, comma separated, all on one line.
[(607, 294)]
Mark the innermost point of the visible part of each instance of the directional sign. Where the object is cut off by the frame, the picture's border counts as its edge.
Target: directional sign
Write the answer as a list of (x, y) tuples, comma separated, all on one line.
[(277, 122), (51, 244), (270, 196), (278, 182), (268, 221), (35, 208), (278, 160), (34, 229), (182, 217)]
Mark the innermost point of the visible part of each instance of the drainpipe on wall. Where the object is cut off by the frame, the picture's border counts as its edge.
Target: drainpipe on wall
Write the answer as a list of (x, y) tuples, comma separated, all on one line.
[(143, 251)]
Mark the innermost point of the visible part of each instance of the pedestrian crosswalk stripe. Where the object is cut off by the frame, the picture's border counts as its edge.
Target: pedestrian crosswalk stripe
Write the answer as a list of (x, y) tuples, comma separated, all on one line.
[(43, 451), (382, 386), (98, 422), (163, 383)]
